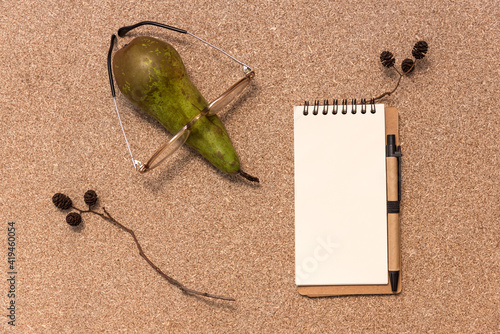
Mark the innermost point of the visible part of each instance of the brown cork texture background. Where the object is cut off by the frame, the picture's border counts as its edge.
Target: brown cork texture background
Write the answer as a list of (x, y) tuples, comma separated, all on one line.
[(218, 233)]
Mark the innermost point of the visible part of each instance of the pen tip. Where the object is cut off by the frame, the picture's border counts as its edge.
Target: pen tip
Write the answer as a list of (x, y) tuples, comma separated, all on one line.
[(394, 278)]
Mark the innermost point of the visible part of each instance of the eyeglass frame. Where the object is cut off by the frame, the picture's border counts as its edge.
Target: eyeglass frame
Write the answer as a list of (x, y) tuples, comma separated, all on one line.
[(183, 134)]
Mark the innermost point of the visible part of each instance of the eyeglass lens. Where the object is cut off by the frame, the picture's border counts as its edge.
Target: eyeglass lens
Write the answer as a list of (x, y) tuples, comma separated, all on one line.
[(228, 96), (166, 150)]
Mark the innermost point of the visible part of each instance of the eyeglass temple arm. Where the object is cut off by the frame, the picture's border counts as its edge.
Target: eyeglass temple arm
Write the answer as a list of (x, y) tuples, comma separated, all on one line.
[(113, 93), (110, 70), (124, 30)]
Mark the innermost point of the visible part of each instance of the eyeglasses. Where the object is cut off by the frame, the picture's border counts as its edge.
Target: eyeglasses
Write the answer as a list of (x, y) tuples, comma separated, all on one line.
[(182, 135)]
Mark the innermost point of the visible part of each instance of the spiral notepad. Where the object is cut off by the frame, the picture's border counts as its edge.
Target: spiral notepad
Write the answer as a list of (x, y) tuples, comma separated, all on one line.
[(340, 194)]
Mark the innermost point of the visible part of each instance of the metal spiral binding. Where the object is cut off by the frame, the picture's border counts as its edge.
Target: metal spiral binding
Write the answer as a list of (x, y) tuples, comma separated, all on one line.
[(316, 107), (306, 108), (344, 106), (344, 103)]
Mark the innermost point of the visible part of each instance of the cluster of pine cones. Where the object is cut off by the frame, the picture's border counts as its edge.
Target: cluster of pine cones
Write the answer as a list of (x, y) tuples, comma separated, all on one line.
[(407, 65), (63, 202)]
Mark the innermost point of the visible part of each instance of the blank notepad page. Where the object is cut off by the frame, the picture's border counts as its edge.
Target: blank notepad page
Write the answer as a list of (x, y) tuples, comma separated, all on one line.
[(340, 197)]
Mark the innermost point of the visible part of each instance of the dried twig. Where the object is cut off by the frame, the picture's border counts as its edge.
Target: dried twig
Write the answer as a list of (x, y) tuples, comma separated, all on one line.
[(63, 202)]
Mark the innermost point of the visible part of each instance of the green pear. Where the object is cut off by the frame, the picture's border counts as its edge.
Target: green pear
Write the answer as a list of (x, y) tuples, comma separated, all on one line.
[(150, 73)]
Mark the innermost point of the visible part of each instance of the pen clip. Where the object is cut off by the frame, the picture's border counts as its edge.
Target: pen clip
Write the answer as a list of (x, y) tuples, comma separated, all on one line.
[(399, 155), (395, 151)]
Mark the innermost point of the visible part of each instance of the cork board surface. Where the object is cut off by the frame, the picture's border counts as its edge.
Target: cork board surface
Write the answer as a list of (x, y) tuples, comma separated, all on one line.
[(218, 233)]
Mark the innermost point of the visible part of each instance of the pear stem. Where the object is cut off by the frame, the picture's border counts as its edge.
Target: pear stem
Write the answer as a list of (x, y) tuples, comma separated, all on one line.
[(248, 176)]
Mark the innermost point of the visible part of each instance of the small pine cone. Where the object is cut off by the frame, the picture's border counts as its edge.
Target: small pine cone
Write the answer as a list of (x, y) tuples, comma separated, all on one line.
[(387, 59), (420, 49), (90, 198), (407, 65), (62, 201), (73, 218)]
